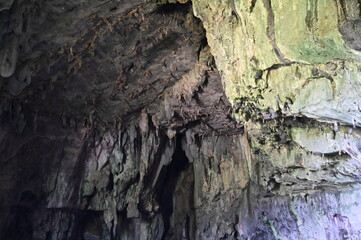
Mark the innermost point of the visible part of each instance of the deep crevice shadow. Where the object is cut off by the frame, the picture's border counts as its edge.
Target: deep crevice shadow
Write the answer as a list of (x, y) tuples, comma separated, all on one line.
[(168, 180)]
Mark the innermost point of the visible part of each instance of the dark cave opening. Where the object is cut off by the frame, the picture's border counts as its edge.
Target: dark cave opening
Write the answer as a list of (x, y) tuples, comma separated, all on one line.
[(170, 178), (20, 225), (92, 225)]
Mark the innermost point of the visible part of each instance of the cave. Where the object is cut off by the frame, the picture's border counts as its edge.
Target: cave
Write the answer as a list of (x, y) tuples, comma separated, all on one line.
[(180, 119)]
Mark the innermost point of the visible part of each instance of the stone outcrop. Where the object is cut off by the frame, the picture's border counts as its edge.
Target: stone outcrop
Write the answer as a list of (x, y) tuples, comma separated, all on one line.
[(274, 54), (180, 120)]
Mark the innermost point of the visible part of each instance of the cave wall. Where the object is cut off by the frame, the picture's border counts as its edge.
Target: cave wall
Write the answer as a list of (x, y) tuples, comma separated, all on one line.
[(136, 183), (180, 120), (287, 58)]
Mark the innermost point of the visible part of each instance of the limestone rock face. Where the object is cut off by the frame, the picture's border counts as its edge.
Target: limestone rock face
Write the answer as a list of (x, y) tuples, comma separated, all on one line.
[(293, 58), (176, 119)]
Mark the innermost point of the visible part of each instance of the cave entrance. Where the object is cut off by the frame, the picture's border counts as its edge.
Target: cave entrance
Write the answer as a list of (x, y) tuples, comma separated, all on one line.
[(175, 195)]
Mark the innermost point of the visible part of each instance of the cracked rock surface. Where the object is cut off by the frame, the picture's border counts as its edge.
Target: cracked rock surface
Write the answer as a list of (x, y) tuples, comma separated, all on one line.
[(180, 119)]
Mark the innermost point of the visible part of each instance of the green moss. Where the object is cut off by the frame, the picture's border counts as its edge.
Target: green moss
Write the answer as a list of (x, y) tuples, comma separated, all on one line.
[(244, 38), (322, 51)]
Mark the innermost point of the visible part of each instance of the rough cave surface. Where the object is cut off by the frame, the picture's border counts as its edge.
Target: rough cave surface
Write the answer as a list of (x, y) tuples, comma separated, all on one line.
[(210, 119)]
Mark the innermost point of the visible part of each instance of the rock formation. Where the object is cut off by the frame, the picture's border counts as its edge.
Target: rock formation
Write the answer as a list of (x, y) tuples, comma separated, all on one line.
[(203, 119)]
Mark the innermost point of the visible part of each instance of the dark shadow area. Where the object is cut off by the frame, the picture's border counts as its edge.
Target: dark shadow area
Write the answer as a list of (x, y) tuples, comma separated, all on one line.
[(173, 8), (168, 180), (19, 223)]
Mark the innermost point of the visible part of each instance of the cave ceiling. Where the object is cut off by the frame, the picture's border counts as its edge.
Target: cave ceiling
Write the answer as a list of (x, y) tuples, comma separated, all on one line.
[(106, 61)]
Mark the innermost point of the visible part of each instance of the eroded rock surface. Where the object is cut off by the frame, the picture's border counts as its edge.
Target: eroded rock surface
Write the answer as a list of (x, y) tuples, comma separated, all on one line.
[(138, 120)]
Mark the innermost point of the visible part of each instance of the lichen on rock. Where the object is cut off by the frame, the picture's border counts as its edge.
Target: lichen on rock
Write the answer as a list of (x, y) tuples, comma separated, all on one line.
[(272, 52)]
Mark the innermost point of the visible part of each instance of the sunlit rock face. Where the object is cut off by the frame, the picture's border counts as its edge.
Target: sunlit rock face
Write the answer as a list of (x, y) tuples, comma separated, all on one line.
[(287, 67), (176, 119), (287, 58)]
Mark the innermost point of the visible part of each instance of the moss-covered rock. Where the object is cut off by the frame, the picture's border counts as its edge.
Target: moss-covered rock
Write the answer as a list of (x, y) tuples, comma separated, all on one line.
[(290, 57)]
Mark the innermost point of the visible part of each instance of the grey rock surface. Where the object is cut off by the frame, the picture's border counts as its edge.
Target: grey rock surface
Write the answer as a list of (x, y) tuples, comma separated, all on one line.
[(114, 125)]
